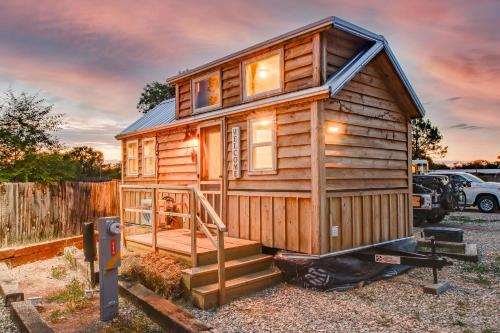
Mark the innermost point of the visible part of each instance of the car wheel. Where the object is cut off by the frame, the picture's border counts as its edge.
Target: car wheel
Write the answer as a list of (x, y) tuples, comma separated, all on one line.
[(487, 204)]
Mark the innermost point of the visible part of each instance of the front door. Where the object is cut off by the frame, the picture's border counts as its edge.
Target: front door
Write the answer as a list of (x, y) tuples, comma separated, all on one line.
[(210, 167)]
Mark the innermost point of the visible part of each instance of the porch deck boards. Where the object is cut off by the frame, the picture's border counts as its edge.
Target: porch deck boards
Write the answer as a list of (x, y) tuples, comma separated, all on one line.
[(179, 240)]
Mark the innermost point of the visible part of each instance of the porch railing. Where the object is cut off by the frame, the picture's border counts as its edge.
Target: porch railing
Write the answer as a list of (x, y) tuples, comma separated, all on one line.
[(196, 220)]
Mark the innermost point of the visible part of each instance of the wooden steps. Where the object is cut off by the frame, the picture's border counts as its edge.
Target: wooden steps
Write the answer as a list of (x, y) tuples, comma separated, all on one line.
[(206, 296), (203, 275), (247, 270)]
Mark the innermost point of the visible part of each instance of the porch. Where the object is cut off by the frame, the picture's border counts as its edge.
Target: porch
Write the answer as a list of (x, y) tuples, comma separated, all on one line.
[(182, 222), (177, 243)]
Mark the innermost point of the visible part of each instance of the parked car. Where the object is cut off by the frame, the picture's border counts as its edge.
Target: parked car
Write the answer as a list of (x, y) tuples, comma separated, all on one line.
[(484, 195), (433, 198)]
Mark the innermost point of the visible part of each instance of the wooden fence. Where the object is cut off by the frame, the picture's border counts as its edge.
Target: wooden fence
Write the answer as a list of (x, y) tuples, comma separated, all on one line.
[(32, 212)]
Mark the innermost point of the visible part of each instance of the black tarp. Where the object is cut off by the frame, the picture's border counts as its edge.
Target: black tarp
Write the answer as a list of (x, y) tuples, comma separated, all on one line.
[(341, 272)]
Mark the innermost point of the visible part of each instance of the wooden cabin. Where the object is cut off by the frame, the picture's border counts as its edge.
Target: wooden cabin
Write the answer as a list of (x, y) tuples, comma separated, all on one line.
[(300, 143)]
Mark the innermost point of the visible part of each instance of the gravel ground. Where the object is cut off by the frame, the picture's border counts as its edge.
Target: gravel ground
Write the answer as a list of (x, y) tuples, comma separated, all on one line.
[(394, 305), (6, 324)]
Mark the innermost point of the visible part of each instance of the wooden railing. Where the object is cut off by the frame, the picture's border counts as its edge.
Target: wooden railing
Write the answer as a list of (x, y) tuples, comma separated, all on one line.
[(197, 221)]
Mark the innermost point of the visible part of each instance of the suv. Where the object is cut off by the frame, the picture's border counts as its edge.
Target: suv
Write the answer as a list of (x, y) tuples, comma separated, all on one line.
[(484, 195)]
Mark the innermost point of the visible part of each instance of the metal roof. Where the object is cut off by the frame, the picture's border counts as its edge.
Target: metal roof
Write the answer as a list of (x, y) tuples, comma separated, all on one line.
[(161, 114)]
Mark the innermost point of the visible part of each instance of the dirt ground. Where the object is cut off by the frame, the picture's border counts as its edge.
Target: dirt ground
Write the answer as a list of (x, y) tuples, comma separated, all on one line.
[(394, 305), (47, 278)]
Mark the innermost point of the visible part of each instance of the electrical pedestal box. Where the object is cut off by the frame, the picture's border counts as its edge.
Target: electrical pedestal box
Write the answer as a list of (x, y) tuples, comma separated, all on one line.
[(109, 261)]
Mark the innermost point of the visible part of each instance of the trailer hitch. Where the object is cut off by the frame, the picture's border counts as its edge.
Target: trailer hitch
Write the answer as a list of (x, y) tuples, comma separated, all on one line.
[(395, 257)]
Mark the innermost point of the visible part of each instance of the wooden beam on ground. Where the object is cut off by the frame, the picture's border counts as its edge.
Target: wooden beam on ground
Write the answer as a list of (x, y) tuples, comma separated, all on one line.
[(9, 287), (166, 314), (39, 251), (28, 318)]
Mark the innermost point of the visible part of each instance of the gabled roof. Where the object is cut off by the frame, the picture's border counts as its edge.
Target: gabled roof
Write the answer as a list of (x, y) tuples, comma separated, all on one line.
[(360, 60), (163, 113), (163, 116)]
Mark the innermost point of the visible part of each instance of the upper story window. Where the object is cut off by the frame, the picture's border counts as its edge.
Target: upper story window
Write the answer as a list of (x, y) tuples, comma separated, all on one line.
[(262, 144), (148, 157), (207, 92), (262, 75), (132, 158)]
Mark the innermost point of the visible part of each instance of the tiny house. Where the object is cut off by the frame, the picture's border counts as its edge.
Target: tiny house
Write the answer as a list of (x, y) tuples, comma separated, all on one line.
[(300, 143)]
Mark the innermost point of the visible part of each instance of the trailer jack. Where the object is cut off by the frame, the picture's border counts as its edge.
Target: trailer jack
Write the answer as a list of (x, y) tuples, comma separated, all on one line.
[(395, 257)]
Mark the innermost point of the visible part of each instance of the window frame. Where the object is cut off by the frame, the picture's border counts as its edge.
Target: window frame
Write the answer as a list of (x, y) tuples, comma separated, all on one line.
[(136, 142), (152, 139), (193, 93), (251, 145), (258, 58)]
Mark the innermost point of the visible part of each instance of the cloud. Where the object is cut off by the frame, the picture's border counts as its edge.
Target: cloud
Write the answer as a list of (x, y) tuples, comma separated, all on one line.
[(466, 127), (92, 58)]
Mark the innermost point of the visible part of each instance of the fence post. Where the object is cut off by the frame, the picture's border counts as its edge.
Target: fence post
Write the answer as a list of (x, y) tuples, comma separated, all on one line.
[(192, 224)]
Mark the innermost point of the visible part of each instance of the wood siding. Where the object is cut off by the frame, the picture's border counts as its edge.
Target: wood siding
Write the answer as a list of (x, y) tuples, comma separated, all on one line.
[(338, 48), (368, 217), (293, 145), (369, 149), (367, 163), (175, 164), (231, 85), (278, 220), (301, 69), (183, 99)]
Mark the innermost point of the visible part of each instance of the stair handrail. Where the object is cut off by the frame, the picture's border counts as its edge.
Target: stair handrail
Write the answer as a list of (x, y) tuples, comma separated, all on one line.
[(194, 220), (221, 228)]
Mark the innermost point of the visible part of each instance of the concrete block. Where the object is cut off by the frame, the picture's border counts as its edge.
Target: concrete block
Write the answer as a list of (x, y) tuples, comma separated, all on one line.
[(437, 288)]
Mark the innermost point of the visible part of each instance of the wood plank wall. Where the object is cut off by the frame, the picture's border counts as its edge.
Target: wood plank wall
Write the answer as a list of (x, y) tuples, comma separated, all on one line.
[(33, 212), (369, 150), (338, 48), (279, 220), (175, 165), (301, 70), (367, 162), (293, 144), (283, 219), (231, 85), (368, 217), (183, 100)]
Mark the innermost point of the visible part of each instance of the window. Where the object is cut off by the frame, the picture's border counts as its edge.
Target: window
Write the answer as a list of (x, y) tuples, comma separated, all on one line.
[(262, 75), (148, 157), (132, 158), (206, 92), (262, 144)]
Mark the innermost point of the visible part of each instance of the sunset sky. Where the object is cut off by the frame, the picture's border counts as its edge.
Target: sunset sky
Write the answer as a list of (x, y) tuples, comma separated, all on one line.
[(91, 59)]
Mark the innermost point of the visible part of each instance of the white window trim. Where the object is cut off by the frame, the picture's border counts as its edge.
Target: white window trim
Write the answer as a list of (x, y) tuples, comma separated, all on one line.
[(136, 142), (144, 157), (208, 107), (251, 145), (269, 92)]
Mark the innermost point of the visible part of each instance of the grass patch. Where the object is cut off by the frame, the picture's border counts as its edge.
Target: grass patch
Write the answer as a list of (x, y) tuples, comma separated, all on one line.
[(58, 272), (481, 268), (69, 256), (458, 322), (56, 315), (72, 298), (384, 321), (465, 219), (160, 273)]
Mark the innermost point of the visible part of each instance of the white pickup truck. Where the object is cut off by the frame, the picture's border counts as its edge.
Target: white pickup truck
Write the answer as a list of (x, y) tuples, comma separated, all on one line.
[(484, 195)]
